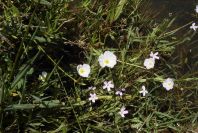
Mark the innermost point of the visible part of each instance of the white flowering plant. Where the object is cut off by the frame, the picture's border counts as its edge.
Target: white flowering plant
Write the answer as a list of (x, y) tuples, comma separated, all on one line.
[(95, 66)]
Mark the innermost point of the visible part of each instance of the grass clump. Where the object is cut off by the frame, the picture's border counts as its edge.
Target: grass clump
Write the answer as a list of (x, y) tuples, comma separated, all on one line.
[(43, 42)]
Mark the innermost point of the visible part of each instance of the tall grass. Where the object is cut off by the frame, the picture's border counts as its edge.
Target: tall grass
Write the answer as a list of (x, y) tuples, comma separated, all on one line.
[(56, 36)]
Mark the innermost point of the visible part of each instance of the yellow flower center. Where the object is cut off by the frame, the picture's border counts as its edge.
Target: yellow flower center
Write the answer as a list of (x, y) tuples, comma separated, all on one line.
[(150, 63), (81, 70), (169, 84), (106, 61)]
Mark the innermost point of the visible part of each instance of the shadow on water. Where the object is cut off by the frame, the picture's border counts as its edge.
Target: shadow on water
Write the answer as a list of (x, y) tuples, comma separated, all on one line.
[(184, 11)]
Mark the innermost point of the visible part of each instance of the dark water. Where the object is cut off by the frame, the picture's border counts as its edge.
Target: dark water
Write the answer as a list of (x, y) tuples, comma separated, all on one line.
[(184, 11)]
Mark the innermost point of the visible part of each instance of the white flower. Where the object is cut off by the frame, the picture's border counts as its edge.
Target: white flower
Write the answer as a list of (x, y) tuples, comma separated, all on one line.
[(123, 112), (196, 9), (154, 56), (168, 84), (108, 59), (91, 88), (143, 91), (83, 70), (149, 63), (93, 97), (119, 93), (108, 85), (123, 89), (43, 76), (193, 26)]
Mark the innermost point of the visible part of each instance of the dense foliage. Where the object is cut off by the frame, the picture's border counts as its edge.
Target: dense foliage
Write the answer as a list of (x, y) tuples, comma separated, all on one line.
[(42, 43)]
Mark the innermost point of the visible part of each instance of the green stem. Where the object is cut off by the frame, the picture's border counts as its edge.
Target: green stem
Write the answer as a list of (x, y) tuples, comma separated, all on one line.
[(95, 82), (1, 106), (16, 61), (131, 64), (51, 104), (71, 105)]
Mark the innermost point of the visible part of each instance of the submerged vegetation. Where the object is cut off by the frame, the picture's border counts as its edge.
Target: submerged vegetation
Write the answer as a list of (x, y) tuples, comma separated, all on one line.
[(93, 66)]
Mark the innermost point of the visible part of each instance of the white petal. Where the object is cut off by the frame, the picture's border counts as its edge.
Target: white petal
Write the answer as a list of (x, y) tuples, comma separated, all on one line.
[(149, 63), (125, 112), (86, 68), (107, 56), (143, 87)]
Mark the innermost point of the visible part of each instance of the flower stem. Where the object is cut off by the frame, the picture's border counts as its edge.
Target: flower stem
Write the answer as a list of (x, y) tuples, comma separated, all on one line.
[(131, 64)]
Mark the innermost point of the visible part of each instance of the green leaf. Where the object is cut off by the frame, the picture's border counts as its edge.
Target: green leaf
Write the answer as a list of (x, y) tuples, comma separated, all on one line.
[(136, 123), (40, 39), (37, 99), (141, 80), (43, 2), (36, 124), (43, 104), (23, 72), (20, 106), (19, 77), (15, 11), (62, 128), (30, 72), (119, 9), (50, 104)]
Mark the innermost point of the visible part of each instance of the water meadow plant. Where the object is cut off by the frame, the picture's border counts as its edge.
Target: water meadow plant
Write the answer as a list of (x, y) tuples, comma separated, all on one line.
[(108, 59), (108, 85), (123, 111), (149, 63), (84, 70), (168, 84), (91, 50), (93, 97), (120, 93), (154, 55), (43, 76), (143, 91), (193, 26)]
